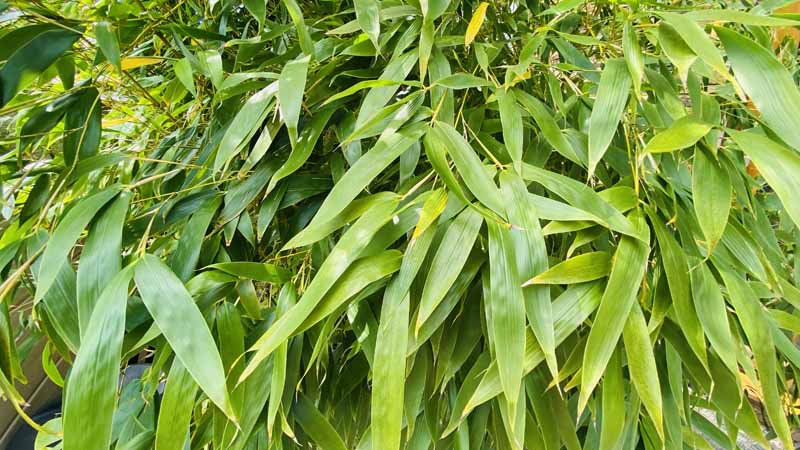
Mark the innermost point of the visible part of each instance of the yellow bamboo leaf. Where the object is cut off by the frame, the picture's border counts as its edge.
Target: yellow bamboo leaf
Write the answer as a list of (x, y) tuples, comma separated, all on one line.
[(132, 62), (475, 23)]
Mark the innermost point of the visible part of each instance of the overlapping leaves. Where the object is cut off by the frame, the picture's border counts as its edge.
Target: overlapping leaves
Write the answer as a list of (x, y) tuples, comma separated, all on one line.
[(387, 224)]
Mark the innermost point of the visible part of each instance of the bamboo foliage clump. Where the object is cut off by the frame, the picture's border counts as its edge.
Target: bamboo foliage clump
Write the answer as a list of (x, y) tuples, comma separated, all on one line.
[(386, 224)]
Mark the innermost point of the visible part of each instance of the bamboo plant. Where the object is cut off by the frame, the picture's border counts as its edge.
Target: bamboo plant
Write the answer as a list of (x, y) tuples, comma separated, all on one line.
[(418, 224)]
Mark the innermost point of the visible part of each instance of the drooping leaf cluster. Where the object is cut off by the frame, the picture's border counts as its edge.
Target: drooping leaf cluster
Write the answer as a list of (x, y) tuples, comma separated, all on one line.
[(386, 224)]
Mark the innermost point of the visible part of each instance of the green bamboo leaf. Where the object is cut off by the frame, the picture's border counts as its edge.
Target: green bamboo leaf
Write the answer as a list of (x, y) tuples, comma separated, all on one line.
[(302, 151), (756, 327), (526, 233), (683, 133), (313, 422), (89, 407), (627, 270), (389, 365), (100, 257), (676, 268), (388, 148), (712, 189), (286, 300), (360, 86), (766, 82), (581, 197), (107, 41), (175, 413), (448, 261), (698, 40), (183, 261), (579, 269), (258, 8), (183, 71), (675, 48), (269, 273), (741, 17), (431, 209), (32, 56), (634, 58), (181, 322), (468, 165), (318, 230), (347, 250), (303, 35), (712, 314), (291, 86), (511, 120), (612, 96), (613, 403), (642, 366), (66, 235), (548, 126), (507, 307), (244, 125), (358, 276), (777, 164), (462, 80), (368, 17)]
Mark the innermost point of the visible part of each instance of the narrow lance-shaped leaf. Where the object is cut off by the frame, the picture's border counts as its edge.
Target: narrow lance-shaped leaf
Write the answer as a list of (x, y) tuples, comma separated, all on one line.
[(579, 269), (683, 133), (450, 257), (634, 58), (388, 148), (712, 189), (507, 307), (347, 250), (175, 413), (627, 270), (389, 365), (291, 86), (642, 365), (107, 40), (101, 257), (368, 17), (613, 403), (181, 322), (531, 257), (89, 406), (713, 315), (468, 165), (777, 164), (612, 96), (65, 236), (242, 127), (286, 299), (756, 327), (475, 23), (676, 268), (314, 423), (511, 119), (306, 43), (766, 82)]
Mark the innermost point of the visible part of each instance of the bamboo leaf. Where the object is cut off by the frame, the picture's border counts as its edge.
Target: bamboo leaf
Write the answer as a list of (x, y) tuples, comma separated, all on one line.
[(766, 82), (89, 407), (579, 269), (181, 322), (612, 96), (626, 274), (712, 191), (475, 23), (683, 133), (507, 307)]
